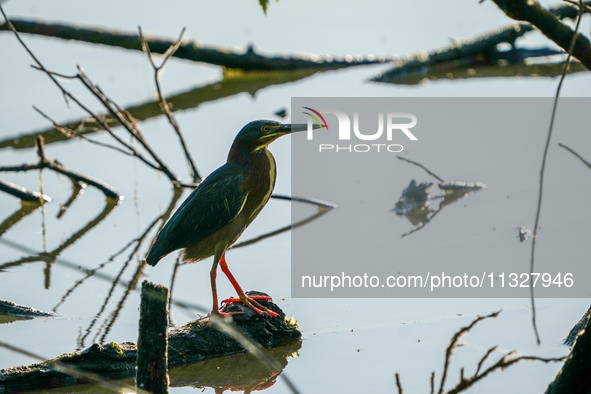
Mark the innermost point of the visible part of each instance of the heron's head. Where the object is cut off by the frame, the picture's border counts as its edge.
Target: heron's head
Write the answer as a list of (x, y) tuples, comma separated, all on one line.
[(259, 134)]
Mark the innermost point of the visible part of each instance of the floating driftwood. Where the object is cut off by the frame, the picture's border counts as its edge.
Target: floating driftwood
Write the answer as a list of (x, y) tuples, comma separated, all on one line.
[(196, 341)]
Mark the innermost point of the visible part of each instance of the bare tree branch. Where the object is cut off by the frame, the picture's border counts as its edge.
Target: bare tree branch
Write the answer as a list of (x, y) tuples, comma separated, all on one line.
[(23, 193), (531, 11), (57, 167), (454, 342), (576, 154), (194, 51)]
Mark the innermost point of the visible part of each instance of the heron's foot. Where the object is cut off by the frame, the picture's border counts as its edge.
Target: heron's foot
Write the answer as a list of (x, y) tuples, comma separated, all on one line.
[(251, 302), (223, 316)]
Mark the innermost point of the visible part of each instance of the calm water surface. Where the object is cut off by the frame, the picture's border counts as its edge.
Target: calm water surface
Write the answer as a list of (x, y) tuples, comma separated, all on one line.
[(350, 345)]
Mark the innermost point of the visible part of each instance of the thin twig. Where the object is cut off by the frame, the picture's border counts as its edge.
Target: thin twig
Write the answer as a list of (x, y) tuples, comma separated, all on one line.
[(306, 200), (127, 122), (454, 342), (576, 154), (323, 207), (422, 166), (483, 359), (75, 266), (57, 167), (587, 9), (91, 273), (398, 385), (163, 103), (175, 270), (73, 134), (555, 106), (67, 94), (503, 363), (131, 284)]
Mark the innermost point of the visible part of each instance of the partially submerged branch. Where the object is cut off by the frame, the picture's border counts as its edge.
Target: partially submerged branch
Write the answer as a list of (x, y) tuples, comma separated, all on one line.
[(22, 193)]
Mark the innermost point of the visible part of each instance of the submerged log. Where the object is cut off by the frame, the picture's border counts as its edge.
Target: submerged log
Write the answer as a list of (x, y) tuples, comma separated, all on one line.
[(196, 341)]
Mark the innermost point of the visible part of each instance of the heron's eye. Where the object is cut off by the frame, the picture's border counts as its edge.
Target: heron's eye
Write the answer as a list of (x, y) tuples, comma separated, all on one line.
[(266, 129)]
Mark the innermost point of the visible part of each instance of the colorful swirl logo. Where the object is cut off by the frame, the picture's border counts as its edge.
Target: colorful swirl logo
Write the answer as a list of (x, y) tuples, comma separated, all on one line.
[(315, 118)]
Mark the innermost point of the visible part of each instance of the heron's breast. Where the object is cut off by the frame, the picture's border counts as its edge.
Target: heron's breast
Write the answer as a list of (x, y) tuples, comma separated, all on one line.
[(259, 185)]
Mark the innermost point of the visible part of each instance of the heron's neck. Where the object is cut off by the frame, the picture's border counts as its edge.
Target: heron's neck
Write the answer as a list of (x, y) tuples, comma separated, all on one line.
[(261, 169), (257, 162)]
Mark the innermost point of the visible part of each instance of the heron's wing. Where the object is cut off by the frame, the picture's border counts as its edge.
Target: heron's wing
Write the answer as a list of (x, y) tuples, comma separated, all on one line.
[(212, 205)]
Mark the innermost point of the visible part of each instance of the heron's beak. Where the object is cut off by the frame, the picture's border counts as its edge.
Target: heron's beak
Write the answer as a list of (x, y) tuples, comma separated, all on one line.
[(284, 129), (292, 128)]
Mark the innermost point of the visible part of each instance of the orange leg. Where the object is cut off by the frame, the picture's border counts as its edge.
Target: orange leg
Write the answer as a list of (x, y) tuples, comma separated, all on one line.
[(215, 311), (248, 301), (213, 274)]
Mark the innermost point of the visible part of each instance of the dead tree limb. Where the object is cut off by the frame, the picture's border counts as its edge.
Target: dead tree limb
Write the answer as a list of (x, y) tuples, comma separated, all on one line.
[(484, 45), (43, 162), (193, 50), (531, 11)]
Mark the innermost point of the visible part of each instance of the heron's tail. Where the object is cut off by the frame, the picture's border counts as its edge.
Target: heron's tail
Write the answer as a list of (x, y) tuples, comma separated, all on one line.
[(155, 254), (152, 259)]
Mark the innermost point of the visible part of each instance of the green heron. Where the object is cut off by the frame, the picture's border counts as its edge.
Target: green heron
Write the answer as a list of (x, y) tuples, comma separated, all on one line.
[(216, 213)]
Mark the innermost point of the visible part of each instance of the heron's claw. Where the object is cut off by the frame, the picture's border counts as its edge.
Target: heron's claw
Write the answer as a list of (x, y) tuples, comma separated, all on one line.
[(251, 302)]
